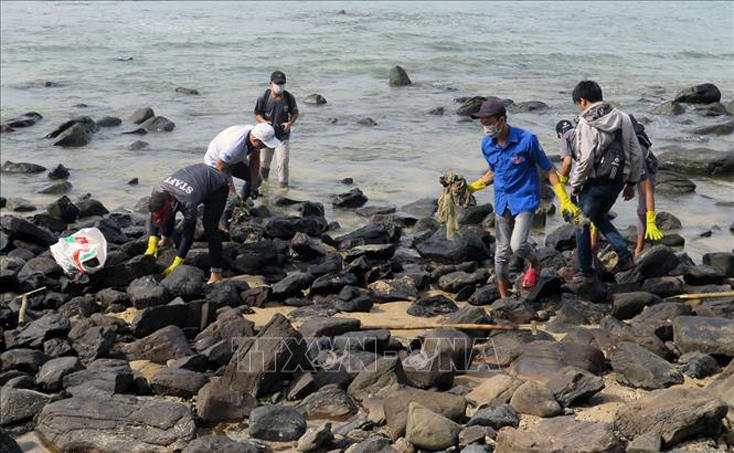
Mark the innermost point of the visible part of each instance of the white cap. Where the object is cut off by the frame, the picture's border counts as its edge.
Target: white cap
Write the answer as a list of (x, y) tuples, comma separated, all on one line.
[(266, 134)]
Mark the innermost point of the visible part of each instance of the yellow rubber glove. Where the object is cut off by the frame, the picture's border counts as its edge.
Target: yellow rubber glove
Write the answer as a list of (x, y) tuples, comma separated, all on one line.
[(566, 204), (178, 260), (593, 228), (651, 229), (564, 179), (152, 246), (477, 185)]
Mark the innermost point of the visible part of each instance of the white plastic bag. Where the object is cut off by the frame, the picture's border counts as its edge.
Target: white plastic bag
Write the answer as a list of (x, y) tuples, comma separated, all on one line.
[(72, 252)]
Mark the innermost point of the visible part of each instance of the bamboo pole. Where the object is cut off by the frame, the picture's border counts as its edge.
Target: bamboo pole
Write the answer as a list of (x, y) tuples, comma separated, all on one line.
[(530, 326), (703, 295)]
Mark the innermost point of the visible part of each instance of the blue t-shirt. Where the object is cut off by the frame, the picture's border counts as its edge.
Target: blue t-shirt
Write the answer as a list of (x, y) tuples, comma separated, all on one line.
[(516, 183)]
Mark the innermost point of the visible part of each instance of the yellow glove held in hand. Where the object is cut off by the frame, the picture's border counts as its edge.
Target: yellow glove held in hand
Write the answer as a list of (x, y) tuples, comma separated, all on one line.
[(566, 204), (477, 185), (152, 246), (563, 179), (178, 260), (651, 229), (592, 228)]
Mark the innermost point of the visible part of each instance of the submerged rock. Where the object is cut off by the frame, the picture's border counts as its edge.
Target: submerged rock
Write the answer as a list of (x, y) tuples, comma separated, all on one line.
[(21, 167), (142, 114), (700, 94), (398, 77), (314, 99)]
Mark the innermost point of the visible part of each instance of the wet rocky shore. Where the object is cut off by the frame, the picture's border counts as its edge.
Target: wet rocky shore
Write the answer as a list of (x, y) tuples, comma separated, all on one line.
[(304, 347)]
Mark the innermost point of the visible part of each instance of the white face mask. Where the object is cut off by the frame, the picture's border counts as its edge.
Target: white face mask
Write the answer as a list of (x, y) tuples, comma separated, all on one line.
[(278, 89), (493, 131)]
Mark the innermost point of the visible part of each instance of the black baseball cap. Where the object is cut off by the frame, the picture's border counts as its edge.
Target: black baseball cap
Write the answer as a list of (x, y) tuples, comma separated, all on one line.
[(563, 126), (490, 107), (277, 77)]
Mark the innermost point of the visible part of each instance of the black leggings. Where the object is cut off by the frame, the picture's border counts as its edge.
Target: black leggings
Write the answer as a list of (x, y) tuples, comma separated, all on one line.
[(213, 209)]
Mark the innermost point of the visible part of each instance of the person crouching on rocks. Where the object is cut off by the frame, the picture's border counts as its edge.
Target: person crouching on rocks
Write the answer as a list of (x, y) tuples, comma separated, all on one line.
[(183, 192), (512, 154), (236, 152)]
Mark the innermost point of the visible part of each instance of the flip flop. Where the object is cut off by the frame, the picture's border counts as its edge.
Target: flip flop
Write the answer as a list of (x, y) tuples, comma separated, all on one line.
[(530, 279)]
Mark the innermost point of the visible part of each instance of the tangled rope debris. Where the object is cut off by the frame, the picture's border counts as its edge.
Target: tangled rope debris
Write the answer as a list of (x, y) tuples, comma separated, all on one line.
[(455, 191)]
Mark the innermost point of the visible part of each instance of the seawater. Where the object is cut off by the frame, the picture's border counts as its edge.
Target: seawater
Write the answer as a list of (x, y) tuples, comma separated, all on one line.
[(641, 53)]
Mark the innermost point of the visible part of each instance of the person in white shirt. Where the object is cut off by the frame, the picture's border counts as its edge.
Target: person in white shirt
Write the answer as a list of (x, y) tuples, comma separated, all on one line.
[(236, 153)]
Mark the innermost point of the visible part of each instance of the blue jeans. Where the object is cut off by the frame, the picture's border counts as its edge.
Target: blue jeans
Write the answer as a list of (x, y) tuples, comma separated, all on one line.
[(595, 201)]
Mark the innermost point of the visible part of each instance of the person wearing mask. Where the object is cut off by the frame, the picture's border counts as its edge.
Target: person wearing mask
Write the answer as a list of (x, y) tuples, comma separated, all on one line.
[(512, 155), (278, 108), (607, 163), (183, 192), (236, 153)]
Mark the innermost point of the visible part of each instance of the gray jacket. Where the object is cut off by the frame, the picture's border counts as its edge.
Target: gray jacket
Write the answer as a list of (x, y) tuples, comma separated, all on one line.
[(594, 133)]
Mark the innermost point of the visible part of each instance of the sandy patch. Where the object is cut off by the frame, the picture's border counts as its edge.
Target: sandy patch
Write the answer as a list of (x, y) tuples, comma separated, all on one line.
[(146, 367)]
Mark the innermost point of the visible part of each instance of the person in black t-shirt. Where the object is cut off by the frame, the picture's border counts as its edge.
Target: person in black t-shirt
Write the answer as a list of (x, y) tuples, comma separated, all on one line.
[(278, 108), (183, 192)]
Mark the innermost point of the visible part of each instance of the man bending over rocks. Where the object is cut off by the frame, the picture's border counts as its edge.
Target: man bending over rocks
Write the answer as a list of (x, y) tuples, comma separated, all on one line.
[(183, 192), (236, 152), (512, 154)]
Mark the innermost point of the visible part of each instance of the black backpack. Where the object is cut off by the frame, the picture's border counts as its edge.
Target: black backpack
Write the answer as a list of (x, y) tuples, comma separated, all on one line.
[(651, 162), (611, 164)]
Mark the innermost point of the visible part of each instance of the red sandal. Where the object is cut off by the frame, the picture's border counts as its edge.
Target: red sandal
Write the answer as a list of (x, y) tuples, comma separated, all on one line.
[(530, 279)]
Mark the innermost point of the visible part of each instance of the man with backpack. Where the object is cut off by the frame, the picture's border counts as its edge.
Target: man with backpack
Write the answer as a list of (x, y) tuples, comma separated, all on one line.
[(646, 225), (608, 159), (278, 108)]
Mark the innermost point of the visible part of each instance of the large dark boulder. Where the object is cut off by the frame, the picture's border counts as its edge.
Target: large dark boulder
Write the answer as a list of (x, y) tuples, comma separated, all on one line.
[(21, 167), (328, 327), (186, 282), (111, 424), (276, 423), (104, 376), (19, 404), (699, 94), (51, 374), (707, 335), (75, 132), (141, 114), (455, 281), (403, 288), (275, 353), (177, 382), (333, 283), (573, 385), (562, 238), (24, 120), (147, 292), (698, 162), (153, 124), (216, 402), (674, 414), (35, 333), (560, 434), (431, 306), (90, 207), (467, 245), (293, 285), (723, 261), (672, 182), (639, 368), (287, 227), (160, 346), (371, 233), (396, 407), (352, 199), (64, 209), (18, 228)]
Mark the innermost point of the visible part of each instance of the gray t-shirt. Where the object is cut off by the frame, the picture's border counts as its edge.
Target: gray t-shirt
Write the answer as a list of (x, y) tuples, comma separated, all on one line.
[(277, 111), (567, 143)]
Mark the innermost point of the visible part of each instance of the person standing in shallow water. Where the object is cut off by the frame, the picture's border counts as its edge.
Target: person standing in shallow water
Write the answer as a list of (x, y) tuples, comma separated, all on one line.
[(513, 155), (278, 108)]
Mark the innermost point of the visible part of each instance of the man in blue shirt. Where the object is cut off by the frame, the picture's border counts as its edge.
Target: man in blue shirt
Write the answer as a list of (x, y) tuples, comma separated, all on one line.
[(512, 154)]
